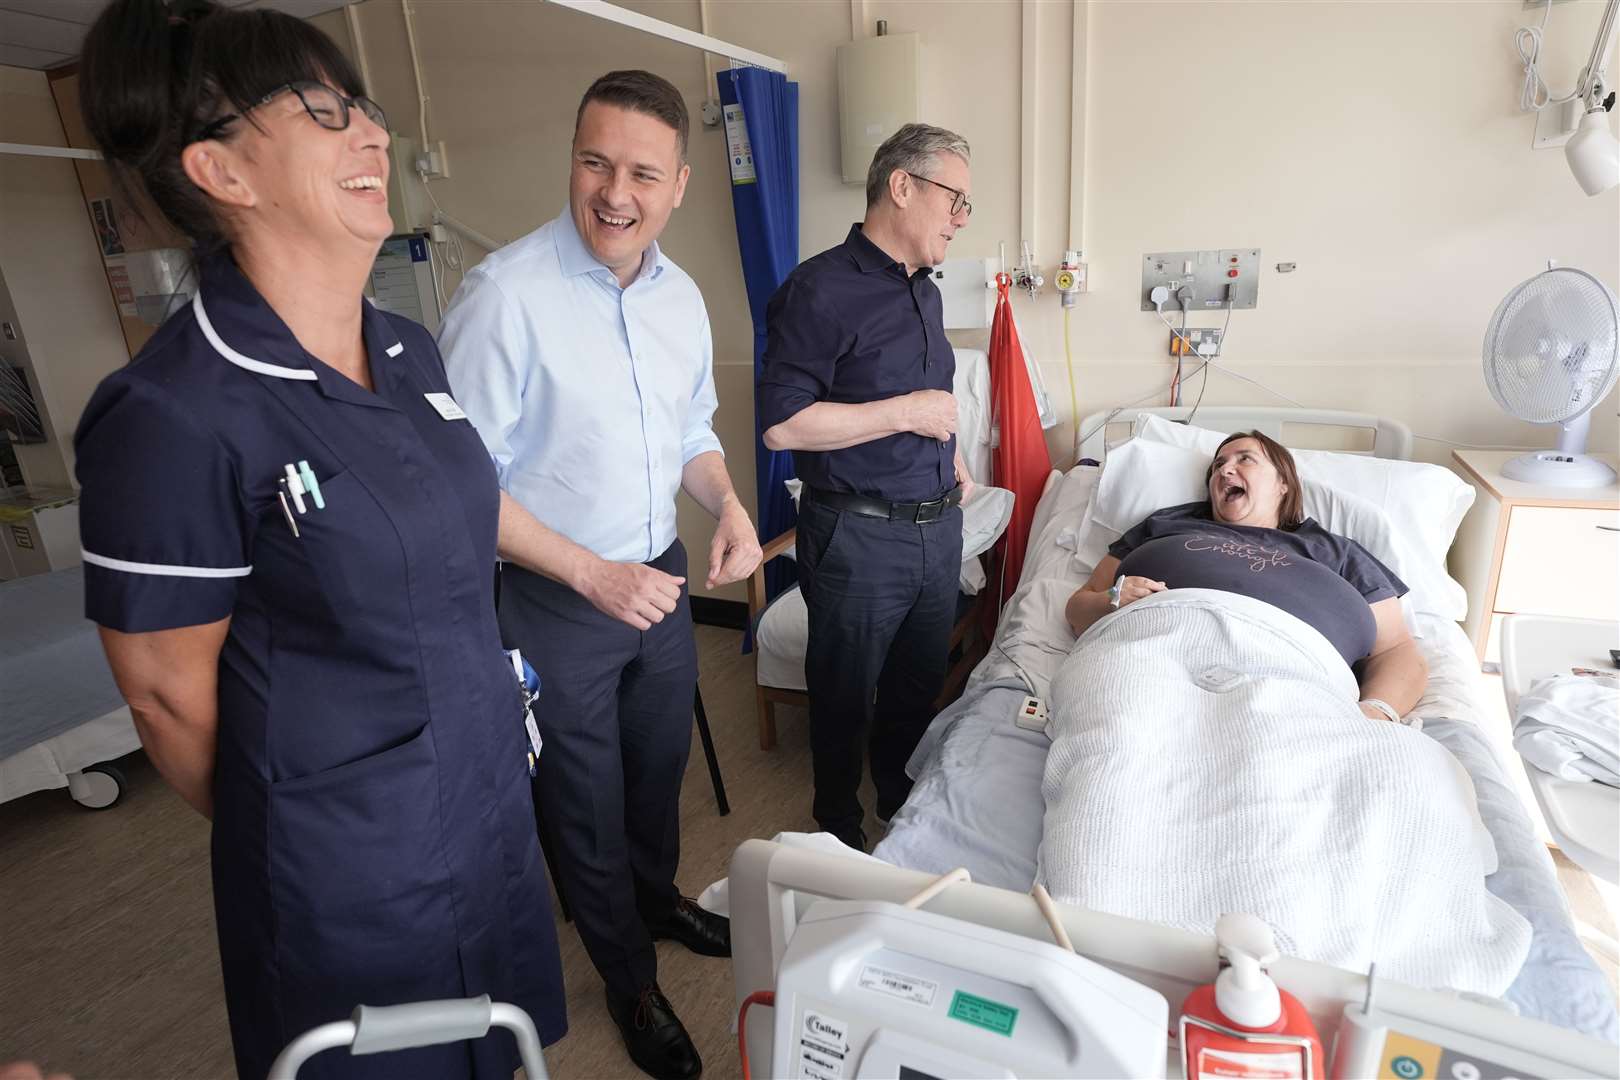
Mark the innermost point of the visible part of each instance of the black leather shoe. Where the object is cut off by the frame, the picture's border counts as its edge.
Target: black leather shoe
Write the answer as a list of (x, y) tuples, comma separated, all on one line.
[(704, 932), (654, 1036)]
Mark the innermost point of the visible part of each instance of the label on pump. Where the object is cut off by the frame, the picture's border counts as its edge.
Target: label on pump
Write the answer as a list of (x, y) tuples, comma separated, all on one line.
[(899, 984), (823, 1047), (1226, 1064)]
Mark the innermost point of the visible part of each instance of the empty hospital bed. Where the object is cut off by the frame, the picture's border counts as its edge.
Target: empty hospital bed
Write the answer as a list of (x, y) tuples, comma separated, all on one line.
[(978, 800), (62, 719)]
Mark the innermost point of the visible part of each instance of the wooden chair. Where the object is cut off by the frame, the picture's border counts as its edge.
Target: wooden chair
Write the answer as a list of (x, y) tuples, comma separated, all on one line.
[(966, 649)]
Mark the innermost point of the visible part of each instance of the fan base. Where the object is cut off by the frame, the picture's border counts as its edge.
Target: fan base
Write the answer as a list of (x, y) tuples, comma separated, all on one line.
[(1551, 468)]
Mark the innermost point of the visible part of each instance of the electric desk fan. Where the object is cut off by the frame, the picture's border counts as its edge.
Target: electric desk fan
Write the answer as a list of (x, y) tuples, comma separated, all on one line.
[(1550, 355)]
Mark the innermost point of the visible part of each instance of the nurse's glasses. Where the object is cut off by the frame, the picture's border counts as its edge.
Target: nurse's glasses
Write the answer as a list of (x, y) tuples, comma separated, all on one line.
[(325, 106)]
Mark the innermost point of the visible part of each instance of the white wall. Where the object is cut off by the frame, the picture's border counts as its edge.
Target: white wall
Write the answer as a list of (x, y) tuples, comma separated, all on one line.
[(58, 292), (1377, 145)]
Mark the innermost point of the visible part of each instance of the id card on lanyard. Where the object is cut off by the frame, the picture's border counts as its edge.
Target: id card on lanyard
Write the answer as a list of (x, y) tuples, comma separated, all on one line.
[(529, 688)]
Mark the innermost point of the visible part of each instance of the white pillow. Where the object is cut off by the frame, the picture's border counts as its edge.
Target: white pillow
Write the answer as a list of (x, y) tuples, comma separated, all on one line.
[(1426, 502), (1061, 513), (1143, 476)]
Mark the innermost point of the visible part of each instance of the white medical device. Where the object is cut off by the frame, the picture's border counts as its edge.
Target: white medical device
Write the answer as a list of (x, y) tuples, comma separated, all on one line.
[(800, 920), (869, 988), (1375, 1041)]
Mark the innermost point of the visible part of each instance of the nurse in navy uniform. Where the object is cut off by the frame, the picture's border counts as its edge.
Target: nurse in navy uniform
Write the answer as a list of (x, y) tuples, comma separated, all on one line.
[(289, 531)]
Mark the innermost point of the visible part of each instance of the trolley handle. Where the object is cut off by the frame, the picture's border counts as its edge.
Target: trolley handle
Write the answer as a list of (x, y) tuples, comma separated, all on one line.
[(374, 1029)]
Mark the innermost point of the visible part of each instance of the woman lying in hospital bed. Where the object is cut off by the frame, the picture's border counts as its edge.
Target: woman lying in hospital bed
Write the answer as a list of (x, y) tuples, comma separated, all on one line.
[(1251, 536), (1212, 750)]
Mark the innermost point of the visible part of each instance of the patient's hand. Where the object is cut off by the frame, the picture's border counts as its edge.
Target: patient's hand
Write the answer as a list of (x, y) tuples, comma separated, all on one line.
[(1132, 589)]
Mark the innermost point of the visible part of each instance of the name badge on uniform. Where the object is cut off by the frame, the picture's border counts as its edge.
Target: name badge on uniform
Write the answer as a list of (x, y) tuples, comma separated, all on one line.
[(446, 406)]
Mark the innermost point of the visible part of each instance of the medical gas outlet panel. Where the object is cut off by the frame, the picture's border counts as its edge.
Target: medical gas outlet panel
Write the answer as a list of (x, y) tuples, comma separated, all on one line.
[(1206, 279)]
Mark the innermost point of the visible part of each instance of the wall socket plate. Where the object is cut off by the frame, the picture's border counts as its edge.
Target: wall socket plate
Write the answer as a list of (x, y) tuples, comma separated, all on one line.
[(1208, 273), (1201, 341), (1557, 124)]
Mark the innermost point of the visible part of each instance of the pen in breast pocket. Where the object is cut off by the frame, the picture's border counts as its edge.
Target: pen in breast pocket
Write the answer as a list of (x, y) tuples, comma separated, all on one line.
[(281, 497), (294, 485)]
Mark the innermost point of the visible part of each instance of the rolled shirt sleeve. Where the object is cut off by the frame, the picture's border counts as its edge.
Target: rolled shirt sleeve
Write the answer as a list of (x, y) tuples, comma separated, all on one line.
[(487, 353), (698, 436), (162, 519), (803, 342)]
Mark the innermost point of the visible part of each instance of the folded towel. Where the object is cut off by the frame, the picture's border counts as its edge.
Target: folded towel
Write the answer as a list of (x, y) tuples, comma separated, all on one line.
[(1569, 726)]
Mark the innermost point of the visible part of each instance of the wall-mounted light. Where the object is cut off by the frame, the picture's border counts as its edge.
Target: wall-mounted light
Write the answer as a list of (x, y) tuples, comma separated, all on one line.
[(1592, 152)]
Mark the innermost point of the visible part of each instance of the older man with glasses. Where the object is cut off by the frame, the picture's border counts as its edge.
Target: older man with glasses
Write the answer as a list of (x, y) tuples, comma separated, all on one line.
[(857, 383)]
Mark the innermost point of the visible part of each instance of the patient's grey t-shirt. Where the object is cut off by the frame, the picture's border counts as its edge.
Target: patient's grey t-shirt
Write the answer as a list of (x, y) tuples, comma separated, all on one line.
[(1324, 579)]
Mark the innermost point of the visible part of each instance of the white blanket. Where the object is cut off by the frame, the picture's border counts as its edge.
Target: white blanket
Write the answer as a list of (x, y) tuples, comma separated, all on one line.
[(1569, 726), (1208, 756)]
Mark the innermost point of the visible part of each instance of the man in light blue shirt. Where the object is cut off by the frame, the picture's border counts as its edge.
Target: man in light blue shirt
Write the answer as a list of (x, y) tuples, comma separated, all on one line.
[(583, 357)]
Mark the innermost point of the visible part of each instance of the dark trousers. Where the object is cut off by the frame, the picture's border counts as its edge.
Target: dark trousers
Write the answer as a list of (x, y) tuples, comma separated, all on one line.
[(615, 712), (881, 597)]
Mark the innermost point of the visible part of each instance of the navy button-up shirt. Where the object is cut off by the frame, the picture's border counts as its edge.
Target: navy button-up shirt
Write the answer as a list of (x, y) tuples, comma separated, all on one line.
[(850, 326)]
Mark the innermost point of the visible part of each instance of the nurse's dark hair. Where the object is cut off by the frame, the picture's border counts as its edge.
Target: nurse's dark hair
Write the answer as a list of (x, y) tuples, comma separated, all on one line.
[(153, 75), (1291, 511)]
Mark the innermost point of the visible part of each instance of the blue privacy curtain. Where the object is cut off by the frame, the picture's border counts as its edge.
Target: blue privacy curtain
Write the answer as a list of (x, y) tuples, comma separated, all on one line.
[(761, 110)]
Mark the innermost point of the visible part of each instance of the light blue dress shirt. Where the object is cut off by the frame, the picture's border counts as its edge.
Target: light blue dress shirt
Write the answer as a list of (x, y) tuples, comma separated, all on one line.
[(590, 398)]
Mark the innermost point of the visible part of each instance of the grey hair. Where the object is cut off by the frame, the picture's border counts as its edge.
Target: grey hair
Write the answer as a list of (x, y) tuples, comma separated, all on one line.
[(912, 149)]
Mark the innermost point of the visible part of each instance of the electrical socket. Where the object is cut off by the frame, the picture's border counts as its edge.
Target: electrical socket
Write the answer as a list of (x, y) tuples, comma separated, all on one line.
[(1206, 340), (434, 163)]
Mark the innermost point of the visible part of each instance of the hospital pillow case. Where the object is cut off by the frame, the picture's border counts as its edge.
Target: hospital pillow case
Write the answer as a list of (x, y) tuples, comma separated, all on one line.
[(1144, 476), (1425, 502)]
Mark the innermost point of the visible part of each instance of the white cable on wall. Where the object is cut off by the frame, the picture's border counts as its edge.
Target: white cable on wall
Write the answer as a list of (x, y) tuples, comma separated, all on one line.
[(416, 68), (1535, 96)]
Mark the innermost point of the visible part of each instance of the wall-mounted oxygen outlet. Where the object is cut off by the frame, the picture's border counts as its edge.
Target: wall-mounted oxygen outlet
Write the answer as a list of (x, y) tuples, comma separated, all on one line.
[(1210, 277)]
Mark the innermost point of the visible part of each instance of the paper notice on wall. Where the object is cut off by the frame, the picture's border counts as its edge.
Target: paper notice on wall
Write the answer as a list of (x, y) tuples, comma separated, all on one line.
[(123, 290), (740, 154)]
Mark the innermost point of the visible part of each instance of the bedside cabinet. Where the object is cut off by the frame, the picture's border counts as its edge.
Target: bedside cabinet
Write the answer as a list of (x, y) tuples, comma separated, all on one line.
[(1525, 549)]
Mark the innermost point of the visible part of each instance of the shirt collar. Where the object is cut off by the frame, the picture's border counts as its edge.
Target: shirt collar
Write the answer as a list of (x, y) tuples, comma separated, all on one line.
[(575, 258), (868, 256), (244, 330)]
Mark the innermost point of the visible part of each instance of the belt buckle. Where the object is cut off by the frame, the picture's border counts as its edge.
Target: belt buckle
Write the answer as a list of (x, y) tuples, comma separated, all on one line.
[(930, 511)]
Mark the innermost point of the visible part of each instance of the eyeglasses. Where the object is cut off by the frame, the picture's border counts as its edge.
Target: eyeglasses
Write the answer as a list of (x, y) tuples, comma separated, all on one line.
[(325, 106), (959, 200)]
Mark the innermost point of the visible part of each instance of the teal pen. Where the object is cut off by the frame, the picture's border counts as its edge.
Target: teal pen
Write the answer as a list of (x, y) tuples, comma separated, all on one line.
[(307, 475)]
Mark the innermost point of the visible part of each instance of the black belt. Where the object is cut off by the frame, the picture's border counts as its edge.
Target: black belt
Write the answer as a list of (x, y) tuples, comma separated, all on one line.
[(867, 506)]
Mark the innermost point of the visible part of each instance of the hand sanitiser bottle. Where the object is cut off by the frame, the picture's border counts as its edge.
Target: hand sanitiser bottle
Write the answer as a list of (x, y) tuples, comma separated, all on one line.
[(1243, 1026)]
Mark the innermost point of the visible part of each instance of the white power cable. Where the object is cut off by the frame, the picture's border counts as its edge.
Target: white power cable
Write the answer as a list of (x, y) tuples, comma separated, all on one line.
[(1535, 95)]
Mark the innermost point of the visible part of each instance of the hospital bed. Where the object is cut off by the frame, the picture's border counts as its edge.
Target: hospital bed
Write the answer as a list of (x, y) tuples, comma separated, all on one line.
[(977, 802), (61, 716)]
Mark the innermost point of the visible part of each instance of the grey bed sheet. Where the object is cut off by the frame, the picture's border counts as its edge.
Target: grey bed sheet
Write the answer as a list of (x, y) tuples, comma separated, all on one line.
[(53, 675), (977, 803)]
